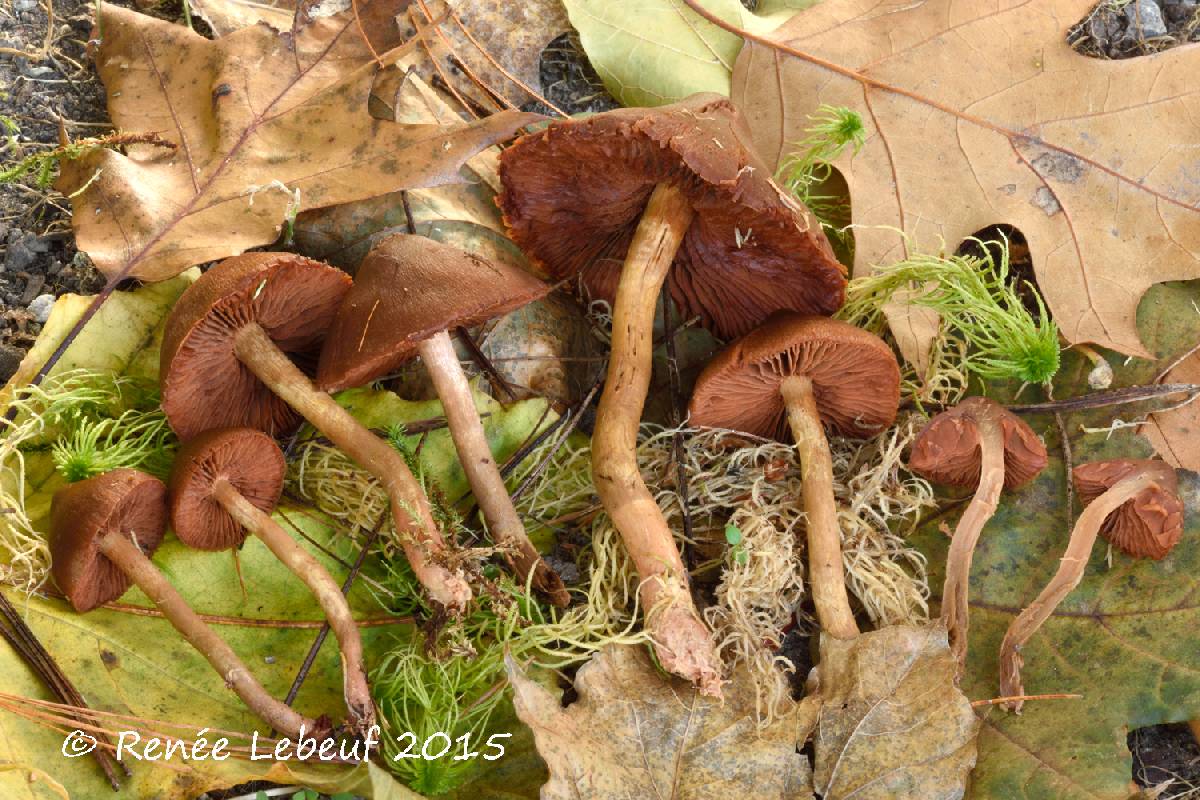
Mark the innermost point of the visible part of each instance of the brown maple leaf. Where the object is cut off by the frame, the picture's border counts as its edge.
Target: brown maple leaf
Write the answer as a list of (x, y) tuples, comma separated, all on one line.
[(978, 112), (266, 123)]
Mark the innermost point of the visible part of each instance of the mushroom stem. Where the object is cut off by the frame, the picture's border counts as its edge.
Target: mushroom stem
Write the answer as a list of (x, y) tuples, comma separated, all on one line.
[(120, 550), (827, 577), (422, 541), (475, 455), (682, 642), (955, 597), (1070, 572), (323, 587)]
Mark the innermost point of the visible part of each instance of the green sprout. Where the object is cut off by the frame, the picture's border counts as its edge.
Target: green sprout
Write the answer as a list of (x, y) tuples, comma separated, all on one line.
[(733, 535), (805, 172), (135, 439), (977, 303)]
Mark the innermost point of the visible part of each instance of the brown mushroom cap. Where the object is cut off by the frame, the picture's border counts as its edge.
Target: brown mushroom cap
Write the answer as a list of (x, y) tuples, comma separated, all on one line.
[(123, 501), (407, 289), (203, 384), (573, 195), (947, 449), (855, 378), (248, 459), (1151, 523)]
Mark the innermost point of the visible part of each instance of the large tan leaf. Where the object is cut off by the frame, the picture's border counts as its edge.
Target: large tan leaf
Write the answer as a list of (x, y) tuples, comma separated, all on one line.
[(978, 112), (893, 724), (635, 732), (264, 123)]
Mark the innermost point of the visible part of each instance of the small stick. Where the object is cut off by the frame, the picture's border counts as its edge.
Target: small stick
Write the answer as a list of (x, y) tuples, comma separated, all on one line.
[(497, 380), (995, 701), (1116, 397), (562, 437)]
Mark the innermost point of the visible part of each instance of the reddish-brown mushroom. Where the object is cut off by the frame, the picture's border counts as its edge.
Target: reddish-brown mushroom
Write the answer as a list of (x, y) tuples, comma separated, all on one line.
[(102, 533), (224, 484), (1141, 502), (408, 293), (225, 363), (806, 373), (1148, 526), (635, 198), (978, 443)]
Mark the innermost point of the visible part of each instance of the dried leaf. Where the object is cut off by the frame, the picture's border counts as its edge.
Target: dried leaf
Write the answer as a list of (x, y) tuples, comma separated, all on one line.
[(893, 724), (635, 732), (653, 52), (1174, 434), (968, 124), (265, 123)]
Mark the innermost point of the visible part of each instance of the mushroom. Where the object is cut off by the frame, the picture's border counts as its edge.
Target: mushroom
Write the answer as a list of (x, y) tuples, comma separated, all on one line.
[(978, 443), (633, 198), (227, 361), (224, 484), (102, 533), (408, 293), (806, 373), (1135, 502)]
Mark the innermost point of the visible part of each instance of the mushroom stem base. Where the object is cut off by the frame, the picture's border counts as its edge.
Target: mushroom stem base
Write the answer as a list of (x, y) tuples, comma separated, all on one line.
[(141, 570), (422, 541), (475, 455), (682, 642), (324, 588), (827, 577), (1070, 572)]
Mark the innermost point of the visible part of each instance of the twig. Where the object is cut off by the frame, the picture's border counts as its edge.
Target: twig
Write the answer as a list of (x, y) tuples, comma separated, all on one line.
[(480, 360), (995, 701), (306, 666), (31, 650), (1116, 397), (559, 441)]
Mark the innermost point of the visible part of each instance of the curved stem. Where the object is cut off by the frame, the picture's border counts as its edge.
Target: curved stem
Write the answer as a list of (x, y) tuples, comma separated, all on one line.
[(827, 577), (955, 590), (682, 642), (323, 587), (419, 534), (1070, 572), (475, 455), (120, 550)]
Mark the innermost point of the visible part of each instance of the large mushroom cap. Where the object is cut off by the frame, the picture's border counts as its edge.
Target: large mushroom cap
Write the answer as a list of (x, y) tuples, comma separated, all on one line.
[(407, 289), (1151, 523), (123, 501), (249, 459), (947, 449), (204, 385), (856, 380), (574, 193)]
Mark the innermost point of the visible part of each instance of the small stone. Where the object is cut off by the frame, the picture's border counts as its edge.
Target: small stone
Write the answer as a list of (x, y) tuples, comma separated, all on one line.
[(1145, 20), (39, 309), (10, 359), (24, 5), (269, 659), (21, 252)]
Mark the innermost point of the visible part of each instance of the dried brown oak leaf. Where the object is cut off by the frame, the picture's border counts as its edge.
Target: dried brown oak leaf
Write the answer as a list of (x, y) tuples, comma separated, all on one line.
[(893, 723), (978, 112), (634, 732), (266, 123)]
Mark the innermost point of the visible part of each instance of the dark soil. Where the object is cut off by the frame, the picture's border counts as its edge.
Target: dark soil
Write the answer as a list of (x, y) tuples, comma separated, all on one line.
[(55, 81)]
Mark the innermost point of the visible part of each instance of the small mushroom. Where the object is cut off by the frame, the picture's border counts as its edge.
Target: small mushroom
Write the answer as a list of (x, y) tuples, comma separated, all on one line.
[(224, 484), (806, 373), (409, 292), (102, 533), (633, 199), (227, 361), (1139, 504), (978, 443)]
